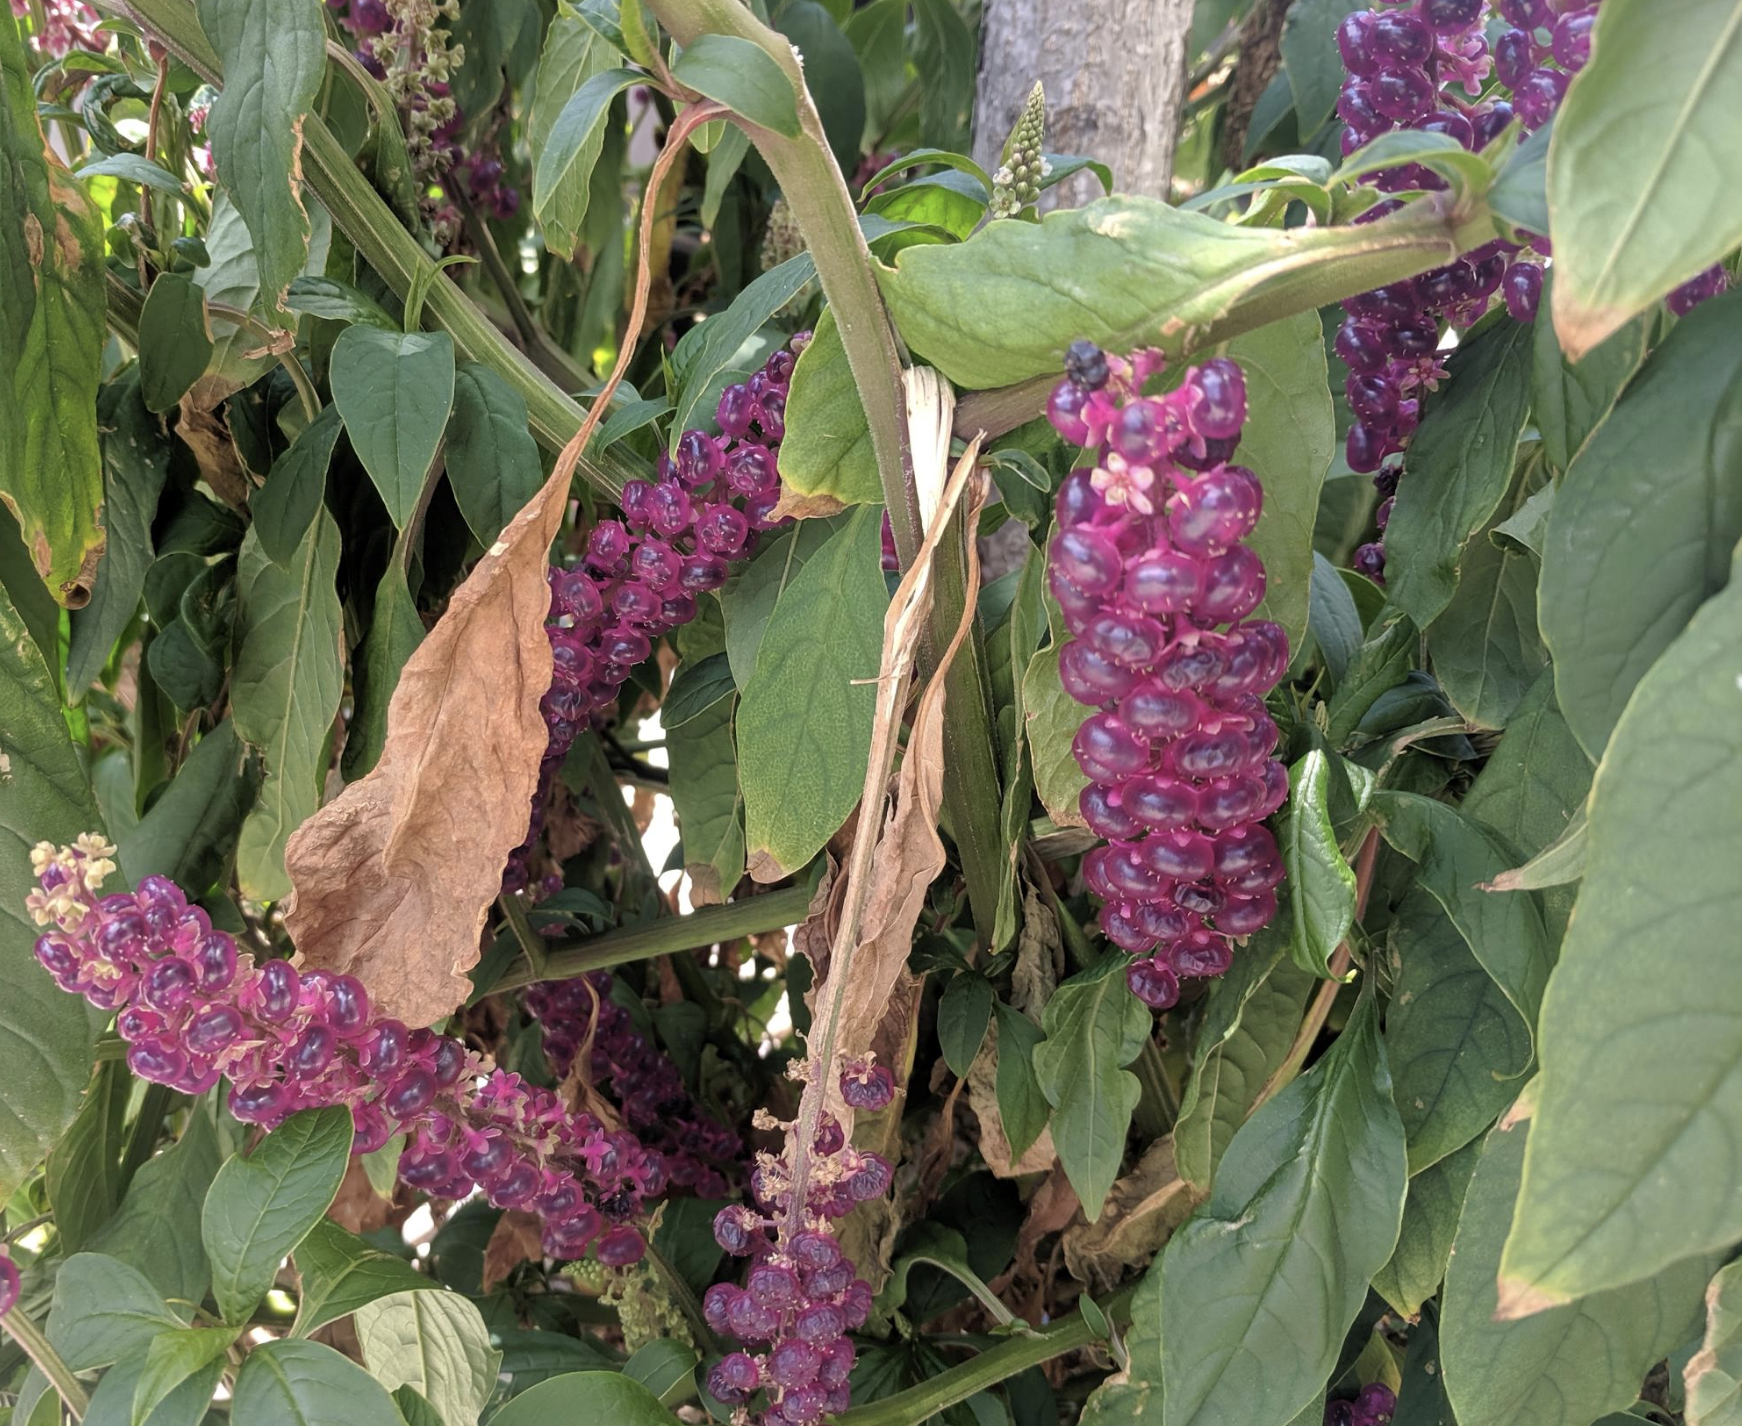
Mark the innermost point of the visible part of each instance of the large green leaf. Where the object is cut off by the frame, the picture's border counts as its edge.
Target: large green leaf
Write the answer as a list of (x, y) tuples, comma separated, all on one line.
[(1643, 526), (1050, 719), (174, 341), (1458, 1046), (340, 1273), (574, 52), (1311, 59), (710, 349), (51, 342), (704, 790), (1094, 1027), (193, 825), (157, 1229), (831, 72), (585, 1396), (173, 1360), (1714, 1377), (273, 58), (1628, 1164), (104, 1311), (1644, 176), (743, 76), (395, 390), (260, 1207), (1251, 1019), (804, 720), (1563, 1367), (1321, 883), (285, 692), (45, 1034), (827, 450), (1125, 272), (563, 171), (435, 1343), (112, 1401), (943, 50), (1022, 1106), (284, 508), (290, 1383), (754, 590), (395, 631), (492, 460), (1460, 468), (1570, 399), (1430, 1221), (1260, 1286), (83, 1173)]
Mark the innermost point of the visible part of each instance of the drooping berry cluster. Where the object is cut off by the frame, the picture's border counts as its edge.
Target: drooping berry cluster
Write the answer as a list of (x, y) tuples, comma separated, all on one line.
[(1147, 563), (67, 25), (579, 1014), (192, 1009), (640, 575), (1373, 1407), (801, 1295)]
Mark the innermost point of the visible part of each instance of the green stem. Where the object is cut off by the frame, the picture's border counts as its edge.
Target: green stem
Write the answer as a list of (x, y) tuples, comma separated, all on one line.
[(996, 1364), (532, 945), (36, 1346), (595, 770), (812, 184), (1158, 1108), (669, 935), (147, 1125), (686, 1302)]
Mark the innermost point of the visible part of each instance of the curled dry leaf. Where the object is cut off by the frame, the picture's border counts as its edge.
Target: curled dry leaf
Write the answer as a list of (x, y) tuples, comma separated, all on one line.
[(994, 1142), (1139, 1217), (516, 1239)]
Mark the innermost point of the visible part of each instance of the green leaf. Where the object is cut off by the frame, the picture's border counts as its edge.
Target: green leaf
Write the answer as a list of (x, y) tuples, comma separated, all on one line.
[(1430, 1220), (1643, 183), (395, 631), (666, 1367), (293, 1383), (51, 342), (1443, 154), (492, 460), (1094, 1027), (705, 795), (285, 506), (133, 168), (1519, 193), (1570, 400), (1714, 1377), (964, 1012), (1051, 718), (171, 1360), (414, 1409), (576, 87), (340, 1273), (946, 201), (695, 688), (1380, 665), (45, 1034), (104, 1311), (112, 1401), (754, 591), (1311, 59), (262, 1206), (943, 50), (1021, 1105), (174, 341), (724, 160), (157, 1230), (1306, 1208), (709, 350), (136, 460), (743, 76), (934, 1245), (285, 692), (192, 827), (1643, 527), (337, 301), (827, 450), (1321, 883), (395, 390), (1620, 1180), (1563, 1367), (1333, 618), (1457, 1046), (1124, 272), (804, 720), (588, 1396), (83, 1173), (832, 74), (1250, 1022), (273, 59), (434, 1342), (1463, 455)]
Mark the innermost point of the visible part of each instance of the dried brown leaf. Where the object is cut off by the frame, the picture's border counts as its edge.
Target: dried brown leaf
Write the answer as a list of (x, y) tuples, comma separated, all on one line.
[(214, 452), (1039, 951), (357, 1207), (394, 878), (994, 1142), (1140, 1215), (516, 1239)]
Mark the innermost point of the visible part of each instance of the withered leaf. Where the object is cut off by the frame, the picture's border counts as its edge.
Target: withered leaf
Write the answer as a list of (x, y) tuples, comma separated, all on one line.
[(1139, 1217)]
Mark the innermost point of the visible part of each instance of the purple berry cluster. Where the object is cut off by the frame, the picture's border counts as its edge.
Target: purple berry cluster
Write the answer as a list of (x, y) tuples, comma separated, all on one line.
[(66, 25), (579, 1014), (1373, 1407), (640, 575), (9, 1284), (1147, 563), (192, 1009), (801, 1295), (1702, 287)]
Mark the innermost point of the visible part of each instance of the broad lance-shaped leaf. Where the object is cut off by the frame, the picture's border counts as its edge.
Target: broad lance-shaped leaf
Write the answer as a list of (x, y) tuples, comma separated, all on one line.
[(1563, 1367), (1461, 463), (1094, 1027), (104, 1311), (1259, 1288), (562, 172), (340, 1273), (157, 1230), (308, 1384), (804, 720), (51, 342), (590, 1396), (492, 460), (705, 355), (273, 58), (1126, 272), (395, 390), (437, 1344), (1430, 1221), (191, 828), (285, 692), (1627, 1170), (395, 631), (1714, 1375), (1321, 883), (175, 342), (1643, 527), (284, 508), (1644, 176), (742, 75), (574, 52), (172, 1359), (1569, 400), (704, 789), (826, 460)]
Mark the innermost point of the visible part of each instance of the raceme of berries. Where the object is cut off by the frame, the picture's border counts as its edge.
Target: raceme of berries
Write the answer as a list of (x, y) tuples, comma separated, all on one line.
[(801, 1295), (66, 25), (9, 1284), (697, 1149), (1373, 1407), (640, 575), (1157, 590), (194, 1009)]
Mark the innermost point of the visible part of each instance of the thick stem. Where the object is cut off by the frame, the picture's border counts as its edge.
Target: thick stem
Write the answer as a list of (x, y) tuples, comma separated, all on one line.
[(36, 1346)]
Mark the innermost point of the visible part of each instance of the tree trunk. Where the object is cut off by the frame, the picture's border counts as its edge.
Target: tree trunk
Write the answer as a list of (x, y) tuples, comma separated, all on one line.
[(1114, 73)]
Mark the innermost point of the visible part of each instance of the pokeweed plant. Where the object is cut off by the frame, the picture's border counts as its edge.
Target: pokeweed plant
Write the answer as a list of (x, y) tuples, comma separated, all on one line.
[(665, 758)]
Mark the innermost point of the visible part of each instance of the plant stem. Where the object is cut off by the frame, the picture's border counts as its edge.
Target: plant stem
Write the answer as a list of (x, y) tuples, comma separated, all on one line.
[(153, 1105), (530, 942), (686, 1302), (996, 1364), (36, 1346), (669, 935)]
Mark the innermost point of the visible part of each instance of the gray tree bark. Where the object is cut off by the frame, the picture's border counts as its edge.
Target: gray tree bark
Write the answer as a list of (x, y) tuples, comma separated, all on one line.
[(1114, 72)]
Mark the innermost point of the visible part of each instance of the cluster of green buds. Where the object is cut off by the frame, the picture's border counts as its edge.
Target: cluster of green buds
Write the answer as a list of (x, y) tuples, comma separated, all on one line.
[(417, 60), (1018, 180)]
